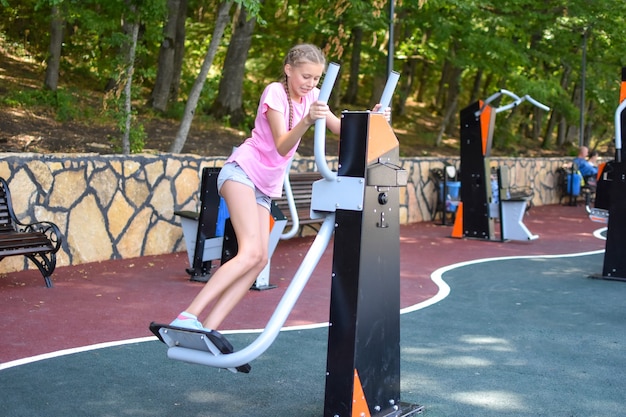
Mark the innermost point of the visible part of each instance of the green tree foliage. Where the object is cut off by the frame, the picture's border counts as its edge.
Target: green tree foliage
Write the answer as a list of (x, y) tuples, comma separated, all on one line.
[(449, 52)]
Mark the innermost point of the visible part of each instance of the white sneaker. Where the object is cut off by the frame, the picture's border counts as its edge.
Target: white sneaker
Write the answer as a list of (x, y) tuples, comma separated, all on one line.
[(187, 323)]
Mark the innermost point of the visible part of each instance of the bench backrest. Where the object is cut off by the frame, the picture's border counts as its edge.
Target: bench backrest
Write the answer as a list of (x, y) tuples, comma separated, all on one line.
[(6, 218), (301, 187)]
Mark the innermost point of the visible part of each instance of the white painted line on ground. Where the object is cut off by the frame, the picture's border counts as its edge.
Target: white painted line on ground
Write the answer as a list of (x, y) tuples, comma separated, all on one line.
[(437, 278)]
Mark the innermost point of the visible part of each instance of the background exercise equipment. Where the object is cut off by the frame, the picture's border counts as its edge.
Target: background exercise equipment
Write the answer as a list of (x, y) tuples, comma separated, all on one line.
[(209, 235), (200, 229), (476, 214), (611, 200)]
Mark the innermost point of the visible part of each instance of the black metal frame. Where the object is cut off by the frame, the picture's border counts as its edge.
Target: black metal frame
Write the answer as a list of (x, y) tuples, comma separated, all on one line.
[(39, 241)]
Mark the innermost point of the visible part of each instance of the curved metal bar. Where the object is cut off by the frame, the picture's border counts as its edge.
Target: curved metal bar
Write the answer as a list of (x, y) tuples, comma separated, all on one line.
[(320, 125), (385, 98), (494, 96), (618, 131), (276, 322), (293, 212), (517, 101), (536, 103), (291, 203)]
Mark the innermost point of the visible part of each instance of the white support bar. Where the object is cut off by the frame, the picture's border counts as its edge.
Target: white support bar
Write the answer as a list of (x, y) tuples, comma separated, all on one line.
[(293, 212)]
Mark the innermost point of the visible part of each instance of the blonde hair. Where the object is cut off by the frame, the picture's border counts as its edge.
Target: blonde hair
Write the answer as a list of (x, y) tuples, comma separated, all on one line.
[(305, 52), (299, 54)]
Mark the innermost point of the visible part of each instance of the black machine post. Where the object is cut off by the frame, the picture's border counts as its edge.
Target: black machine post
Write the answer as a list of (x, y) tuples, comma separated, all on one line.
[(611, 196), (363, 363), (206, 218), (476, 136), (479, 205)]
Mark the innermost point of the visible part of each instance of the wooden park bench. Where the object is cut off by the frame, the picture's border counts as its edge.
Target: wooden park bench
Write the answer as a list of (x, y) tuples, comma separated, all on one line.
[(38, 241), (301, 186)]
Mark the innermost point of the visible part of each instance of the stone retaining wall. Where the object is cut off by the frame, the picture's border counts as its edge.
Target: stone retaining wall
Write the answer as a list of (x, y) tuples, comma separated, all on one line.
[(118, 207)]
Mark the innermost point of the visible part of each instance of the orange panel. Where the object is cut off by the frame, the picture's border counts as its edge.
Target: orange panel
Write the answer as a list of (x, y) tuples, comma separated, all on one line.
[(600, 170), (457, 229), (359, 404), (272, 221), (485, 119), (381, 138)]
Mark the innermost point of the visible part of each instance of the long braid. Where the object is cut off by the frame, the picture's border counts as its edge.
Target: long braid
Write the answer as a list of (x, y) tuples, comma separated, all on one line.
[(286, 85)]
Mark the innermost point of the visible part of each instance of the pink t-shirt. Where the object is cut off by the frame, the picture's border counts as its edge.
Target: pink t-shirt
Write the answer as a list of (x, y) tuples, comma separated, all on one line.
[(258, 155)]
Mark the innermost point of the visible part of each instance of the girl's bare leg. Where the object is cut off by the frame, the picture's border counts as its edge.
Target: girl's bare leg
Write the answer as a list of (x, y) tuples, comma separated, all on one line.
[(239, 288), (233, 279)]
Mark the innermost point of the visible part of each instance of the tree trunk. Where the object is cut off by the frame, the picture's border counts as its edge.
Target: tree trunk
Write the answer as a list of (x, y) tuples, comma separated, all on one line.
[(554, 116), (562, 131), (130, 68), (409, 69), (165, 70), (54, 52), (448, 117), (229, 97), (179, 50), (537, 118), (440, 98), (476, 87), (453, 99), (423, 82), (547, 137), (486, 90), (452, 95), (352, 90), (196, 89)]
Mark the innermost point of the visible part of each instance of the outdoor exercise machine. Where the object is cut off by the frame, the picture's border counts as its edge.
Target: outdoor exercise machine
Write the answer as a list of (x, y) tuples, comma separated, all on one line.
[(209, 234), (480, 205), (359, 204), (610, 204)]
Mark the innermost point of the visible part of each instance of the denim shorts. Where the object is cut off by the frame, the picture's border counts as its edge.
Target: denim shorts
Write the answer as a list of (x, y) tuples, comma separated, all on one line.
[(232, 171)]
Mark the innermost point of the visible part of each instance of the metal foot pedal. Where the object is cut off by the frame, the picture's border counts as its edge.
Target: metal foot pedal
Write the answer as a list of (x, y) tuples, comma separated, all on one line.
[(207, 341), (599, 215)]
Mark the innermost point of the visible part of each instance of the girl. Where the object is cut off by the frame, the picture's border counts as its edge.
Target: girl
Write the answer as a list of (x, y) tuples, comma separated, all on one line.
[(254, 174)]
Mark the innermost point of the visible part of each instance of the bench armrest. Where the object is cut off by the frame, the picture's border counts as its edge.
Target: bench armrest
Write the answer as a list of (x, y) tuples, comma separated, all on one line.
[(49, 229)]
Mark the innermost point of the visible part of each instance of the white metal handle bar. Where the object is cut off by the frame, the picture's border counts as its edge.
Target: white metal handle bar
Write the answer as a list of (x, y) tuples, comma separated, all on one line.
[(517, 100), (618, 129), (392, 82), (319, 138)]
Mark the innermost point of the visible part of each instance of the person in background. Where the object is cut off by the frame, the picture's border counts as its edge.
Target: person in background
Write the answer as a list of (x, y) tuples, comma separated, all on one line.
[(586, 168), (593, 159)]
